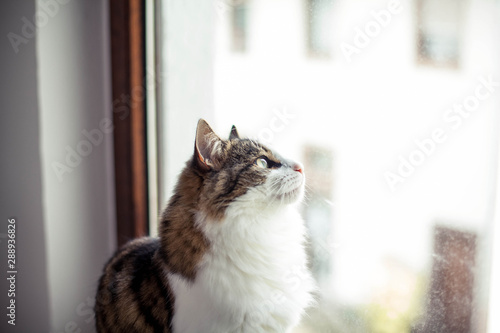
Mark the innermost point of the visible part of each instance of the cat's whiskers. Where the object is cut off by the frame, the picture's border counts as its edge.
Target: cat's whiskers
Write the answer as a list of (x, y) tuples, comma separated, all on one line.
[(307, 192)]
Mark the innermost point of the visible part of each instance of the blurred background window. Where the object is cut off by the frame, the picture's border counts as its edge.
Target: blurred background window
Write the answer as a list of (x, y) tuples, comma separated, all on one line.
[(440, 25), (239, 17), (401, 159), (319, 27)]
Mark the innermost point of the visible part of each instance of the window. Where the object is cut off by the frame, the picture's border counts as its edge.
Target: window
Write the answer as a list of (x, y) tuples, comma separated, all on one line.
[(319, 27), (239, 20), (401, 159), (440, 28), (452, 281)]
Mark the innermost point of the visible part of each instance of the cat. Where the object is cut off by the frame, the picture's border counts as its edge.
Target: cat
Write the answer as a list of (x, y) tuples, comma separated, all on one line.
[(230, 253)]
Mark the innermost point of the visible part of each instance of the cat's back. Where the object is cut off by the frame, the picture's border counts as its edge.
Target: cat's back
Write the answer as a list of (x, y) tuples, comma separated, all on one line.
[(133, 293)]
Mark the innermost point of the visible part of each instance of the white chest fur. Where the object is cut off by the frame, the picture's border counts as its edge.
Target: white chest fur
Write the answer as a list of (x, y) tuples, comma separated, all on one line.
[(253, 279)]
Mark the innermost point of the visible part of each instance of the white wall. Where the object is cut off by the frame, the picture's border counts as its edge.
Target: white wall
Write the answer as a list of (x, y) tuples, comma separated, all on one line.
[(20, 176), (74, 94)]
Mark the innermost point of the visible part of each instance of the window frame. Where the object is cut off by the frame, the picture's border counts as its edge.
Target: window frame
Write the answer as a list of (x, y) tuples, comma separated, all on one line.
[(127, 27)]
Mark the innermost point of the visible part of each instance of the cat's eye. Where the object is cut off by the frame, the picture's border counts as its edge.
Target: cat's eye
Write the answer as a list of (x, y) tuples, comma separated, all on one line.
[(262, 163)]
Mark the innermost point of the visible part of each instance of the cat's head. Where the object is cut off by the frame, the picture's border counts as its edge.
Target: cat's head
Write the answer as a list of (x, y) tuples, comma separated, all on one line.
[(242, 171)]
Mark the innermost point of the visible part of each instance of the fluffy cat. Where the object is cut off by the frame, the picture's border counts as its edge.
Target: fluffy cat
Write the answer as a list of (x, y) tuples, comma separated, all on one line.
[(230, 254)]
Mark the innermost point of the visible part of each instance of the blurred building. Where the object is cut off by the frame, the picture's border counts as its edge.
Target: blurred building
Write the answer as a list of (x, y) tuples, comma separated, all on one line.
[(387, 88)]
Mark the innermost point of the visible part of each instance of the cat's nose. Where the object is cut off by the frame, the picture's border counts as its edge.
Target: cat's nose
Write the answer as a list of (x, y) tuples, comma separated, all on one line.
[(298, 167)]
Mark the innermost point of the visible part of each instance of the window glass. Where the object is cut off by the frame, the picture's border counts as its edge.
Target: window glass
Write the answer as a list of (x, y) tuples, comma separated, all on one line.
[(400, 158)]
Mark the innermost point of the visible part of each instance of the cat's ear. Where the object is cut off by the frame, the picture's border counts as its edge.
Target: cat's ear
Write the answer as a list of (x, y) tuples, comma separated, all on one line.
[(234, 133), (208, 148)]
